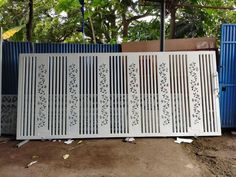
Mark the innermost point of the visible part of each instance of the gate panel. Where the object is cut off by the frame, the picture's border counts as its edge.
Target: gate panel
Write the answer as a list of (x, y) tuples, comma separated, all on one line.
[(41, 100), (10, 57), (119, 107), (164, 94), (118, 95), (134, 95), (104, 98), (195, 99), (179, 84)]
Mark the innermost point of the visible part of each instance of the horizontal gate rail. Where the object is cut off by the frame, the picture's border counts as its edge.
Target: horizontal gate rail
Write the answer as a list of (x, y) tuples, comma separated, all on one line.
[(118, 95)]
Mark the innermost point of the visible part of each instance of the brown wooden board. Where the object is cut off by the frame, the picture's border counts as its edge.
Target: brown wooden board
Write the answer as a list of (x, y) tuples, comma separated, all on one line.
[(190, 44)]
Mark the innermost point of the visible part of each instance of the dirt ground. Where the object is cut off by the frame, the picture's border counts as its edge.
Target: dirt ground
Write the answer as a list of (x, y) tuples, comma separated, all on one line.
[(149, 157), (218, 154)]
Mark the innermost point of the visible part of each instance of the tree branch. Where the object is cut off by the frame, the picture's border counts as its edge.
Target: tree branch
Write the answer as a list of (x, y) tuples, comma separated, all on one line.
[(137, 17), (205, 7), (29, 25)]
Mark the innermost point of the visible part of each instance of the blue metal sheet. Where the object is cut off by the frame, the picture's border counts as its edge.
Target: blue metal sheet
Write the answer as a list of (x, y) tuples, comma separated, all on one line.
[(75, 48), (11, 51), (10, 63), (228, 76)]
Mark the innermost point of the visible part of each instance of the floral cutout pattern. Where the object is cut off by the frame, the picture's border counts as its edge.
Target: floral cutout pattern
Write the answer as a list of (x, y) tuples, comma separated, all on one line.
[(165, 95), (104, 91), (9, 114), (72, 95), (134, 97), (194, 86), (42, 96)]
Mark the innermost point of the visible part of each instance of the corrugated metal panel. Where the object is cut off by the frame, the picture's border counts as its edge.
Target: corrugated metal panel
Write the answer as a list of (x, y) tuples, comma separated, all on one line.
[(228, 76), (75, 48), (11, 51), (10, 63), (118, 95)]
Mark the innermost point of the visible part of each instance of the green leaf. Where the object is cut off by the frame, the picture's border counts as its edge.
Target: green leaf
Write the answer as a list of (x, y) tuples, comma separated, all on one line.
[(2, 2), (66, 5)]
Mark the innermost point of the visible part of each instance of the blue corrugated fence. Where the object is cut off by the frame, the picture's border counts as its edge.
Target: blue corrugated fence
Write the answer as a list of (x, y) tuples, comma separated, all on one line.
[(11, 51), (228, 76), (75, 48)]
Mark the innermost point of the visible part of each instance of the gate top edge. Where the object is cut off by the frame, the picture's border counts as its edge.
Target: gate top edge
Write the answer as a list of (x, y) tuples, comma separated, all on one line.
[(118, 53)]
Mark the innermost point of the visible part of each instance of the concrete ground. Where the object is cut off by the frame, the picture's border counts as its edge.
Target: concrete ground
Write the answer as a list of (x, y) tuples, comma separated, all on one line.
[(150, 157)]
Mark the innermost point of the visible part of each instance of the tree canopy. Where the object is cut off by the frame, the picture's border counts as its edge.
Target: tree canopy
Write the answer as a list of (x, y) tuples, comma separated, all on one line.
[(112, 21)]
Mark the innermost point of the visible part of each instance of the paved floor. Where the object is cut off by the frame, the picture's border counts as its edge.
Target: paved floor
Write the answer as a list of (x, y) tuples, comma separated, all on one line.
[(159, 157)]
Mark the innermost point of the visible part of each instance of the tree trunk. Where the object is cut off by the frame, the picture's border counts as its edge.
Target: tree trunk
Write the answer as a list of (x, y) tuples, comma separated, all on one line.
[(172, 22), (93, 32), (125, 29), (29, 25), (113, 26), (125, 24)]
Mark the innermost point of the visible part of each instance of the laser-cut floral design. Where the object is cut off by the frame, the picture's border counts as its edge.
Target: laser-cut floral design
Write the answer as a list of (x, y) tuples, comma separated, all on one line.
[(194, 86), (134, 90), (165, 97), (73, 96), (9, 114), (104, 91), (41, 91)]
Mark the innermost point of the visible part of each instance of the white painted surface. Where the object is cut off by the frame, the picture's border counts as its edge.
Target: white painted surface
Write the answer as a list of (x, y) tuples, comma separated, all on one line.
[(117, 95)]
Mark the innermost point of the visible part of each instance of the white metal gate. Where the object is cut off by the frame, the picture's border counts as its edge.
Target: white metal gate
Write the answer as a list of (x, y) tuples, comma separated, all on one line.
[(118, 95)]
